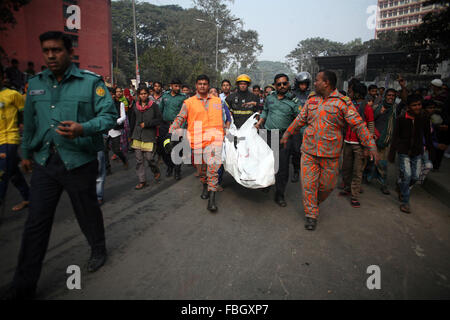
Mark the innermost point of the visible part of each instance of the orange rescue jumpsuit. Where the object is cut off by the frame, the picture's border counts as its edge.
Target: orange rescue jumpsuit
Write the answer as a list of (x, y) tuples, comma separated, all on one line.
[(322, 144)]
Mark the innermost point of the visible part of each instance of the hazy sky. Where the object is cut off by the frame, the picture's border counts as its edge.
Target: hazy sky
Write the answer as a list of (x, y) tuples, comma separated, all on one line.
[(282, 24)]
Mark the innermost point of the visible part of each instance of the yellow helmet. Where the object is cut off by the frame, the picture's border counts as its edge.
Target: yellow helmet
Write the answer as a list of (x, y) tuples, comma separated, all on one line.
[(243, 78)]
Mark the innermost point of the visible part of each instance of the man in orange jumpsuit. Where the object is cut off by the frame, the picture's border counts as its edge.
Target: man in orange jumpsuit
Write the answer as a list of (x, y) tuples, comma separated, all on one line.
[(325, 114), (205, 130)]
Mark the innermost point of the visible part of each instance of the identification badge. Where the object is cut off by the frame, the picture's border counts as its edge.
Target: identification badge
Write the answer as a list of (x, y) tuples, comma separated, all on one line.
[(37, 92)]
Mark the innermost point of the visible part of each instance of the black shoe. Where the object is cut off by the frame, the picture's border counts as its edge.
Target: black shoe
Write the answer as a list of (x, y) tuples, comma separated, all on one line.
[(14, 294), (310, 224), (96, 261), (296, 177), (169, 172), (212, 202), (279, 199), (385, 190), (205, 193), (177, 173)]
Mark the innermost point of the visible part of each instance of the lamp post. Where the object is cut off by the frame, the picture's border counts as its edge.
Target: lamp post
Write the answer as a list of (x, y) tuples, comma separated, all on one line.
[(217, 39), (138, 77)]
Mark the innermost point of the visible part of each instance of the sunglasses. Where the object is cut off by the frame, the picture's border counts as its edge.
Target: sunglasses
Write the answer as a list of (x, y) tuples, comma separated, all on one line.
[(279, 84)]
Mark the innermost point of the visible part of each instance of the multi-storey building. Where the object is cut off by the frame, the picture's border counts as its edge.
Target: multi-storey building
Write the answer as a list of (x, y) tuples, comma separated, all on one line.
[(87, 22), (401, 15)]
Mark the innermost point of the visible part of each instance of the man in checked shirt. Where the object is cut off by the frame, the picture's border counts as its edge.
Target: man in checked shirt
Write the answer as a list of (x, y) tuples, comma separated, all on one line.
[(325, 114)]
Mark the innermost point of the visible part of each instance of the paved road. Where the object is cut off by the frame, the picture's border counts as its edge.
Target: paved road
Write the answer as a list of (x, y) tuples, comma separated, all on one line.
[(164, 244)]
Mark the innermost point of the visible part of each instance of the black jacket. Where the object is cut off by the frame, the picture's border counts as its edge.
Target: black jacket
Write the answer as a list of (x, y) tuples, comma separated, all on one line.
[(235, 102), (151, 118), (411, 135)]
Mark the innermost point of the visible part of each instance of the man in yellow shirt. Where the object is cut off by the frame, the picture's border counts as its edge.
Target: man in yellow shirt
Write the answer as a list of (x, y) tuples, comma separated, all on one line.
[(11, 104)]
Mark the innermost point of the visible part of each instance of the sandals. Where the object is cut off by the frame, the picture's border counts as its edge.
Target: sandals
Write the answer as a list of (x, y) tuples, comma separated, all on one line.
[(405, 208), (141, 186), (21, 206), (355, 203)]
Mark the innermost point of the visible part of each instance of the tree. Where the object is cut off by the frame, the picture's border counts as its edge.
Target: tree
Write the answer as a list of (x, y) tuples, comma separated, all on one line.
[(244, 50), (431, 37), (7, 15), (172, 43), (301, 57), (6, 11)]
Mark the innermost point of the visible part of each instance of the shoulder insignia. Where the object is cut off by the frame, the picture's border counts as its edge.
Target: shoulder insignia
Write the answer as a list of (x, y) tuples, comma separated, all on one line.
[(346, 99), (312, 94), (100, 91), (84, 71)]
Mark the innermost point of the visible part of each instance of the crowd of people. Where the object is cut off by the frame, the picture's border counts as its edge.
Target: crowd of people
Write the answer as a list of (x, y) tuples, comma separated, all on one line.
[(61, 124)]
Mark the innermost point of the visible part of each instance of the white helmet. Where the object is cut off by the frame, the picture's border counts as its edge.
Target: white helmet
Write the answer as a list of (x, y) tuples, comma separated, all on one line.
[(303, 77)]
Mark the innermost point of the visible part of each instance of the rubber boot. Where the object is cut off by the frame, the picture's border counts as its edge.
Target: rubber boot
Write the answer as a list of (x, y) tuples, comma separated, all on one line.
[(178, 172), (212, 202), (205, 193)]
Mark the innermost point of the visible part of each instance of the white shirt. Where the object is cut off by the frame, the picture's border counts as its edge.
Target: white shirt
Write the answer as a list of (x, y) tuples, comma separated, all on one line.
[(223, 96), (115, 133)]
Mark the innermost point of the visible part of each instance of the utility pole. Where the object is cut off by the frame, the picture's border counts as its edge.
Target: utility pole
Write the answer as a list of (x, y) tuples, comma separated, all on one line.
[(138, 77)]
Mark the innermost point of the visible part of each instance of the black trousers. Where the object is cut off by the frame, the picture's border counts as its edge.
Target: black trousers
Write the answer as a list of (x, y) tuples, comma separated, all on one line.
[(47, 185), (163, 131), (282, 176), (115, 145), (295, 151)]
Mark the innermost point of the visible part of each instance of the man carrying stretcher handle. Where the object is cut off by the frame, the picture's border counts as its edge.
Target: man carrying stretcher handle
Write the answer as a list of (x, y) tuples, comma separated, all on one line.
[(205, 130), (325, 114)]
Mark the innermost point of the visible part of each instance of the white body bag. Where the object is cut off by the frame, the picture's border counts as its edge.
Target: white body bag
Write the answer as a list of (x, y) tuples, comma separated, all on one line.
[(251, 162)]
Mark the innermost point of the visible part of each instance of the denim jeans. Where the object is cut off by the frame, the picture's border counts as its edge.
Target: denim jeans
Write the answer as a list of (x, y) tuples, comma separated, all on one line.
[(410, 168), (101, 174)]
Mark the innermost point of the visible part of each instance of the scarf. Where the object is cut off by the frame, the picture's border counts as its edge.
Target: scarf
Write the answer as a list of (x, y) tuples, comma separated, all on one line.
[(386, 135), (124, 100), (144, 107)]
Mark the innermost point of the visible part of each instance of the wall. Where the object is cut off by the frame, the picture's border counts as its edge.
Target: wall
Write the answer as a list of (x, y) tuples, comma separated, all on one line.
[(94, 51)]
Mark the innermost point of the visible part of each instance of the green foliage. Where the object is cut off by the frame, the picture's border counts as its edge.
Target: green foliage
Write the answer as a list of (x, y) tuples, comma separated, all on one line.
[(431, 37), (172, 43), (263, 72), (301, 57)]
